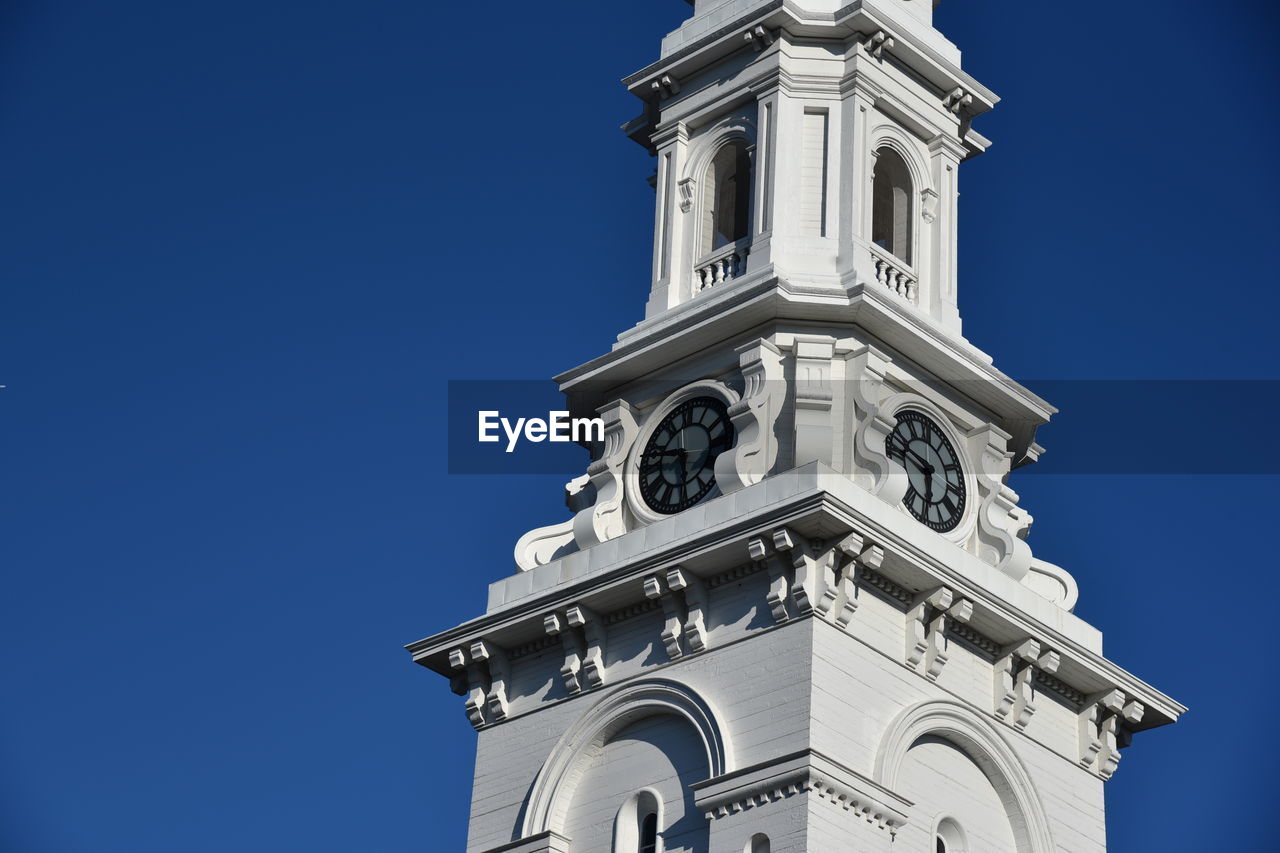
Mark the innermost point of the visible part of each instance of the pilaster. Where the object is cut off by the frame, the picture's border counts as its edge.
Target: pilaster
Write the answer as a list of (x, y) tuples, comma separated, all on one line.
[(940, 287), (674, 200)]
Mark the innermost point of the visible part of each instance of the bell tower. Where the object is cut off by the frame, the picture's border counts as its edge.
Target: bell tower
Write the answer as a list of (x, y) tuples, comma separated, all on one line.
[(827, 120), (792, 606)]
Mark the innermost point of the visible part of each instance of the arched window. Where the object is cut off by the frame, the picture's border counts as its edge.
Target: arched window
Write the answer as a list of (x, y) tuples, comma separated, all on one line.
[(649, 833), (950, 838), (636, 828), (759, 843), (891, 214), (727, 198)]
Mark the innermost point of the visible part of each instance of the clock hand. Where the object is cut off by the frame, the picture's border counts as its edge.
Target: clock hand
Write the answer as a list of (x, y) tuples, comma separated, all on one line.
[(924, 463)]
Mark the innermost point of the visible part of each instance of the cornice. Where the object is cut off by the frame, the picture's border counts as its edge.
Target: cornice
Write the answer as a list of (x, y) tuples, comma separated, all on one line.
[(816, 502), (859, 17), (807, 771), (761, 298)]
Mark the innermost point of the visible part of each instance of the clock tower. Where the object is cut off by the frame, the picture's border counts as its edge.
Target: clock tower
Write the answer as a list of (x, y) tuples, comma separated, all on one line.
[(792, 606)]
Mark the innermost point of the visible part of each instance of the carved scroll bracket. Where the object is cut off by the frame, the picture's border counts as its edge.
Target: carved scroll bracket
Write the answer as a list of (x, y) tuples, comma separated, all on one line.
[(760, 550), (582, 634), (926, 629), (544, 544), (1101, 732), (684, 604), (838, 600), (1002, 524), (872, 469), (481, 675), (686, 187), (1014, 680), (754, 415), (604, 519)]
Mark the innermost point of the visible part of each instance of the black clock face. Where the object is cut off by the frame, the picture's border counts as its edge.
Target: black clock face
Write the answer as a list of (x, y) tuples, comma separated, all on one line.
[(936, 493), (677, 468)]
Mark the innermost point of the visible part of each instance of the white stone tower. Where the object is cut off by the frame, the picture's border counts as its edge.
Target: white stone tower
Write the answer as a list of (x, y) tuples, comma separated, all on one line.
[(793, 608)]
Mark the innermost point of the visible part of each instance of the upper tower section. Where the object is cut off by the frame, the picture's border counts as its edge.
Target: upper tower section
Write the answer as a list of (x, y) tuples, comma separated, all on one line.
[(815, 143), (710, 15)]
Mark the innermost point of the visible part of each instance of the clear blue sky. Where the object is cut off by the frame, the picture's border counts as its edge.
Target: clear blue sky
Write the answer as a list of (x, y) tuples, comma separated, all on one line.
[(245, 244)]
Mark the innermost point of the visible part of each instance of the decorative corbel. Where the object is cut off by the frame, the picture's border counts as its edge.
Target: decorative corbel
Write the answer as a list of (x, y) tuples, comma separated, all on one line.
[(801, 572), (928, 204), (665, 85), (1089, 737), (656, 589), (956, 100), (840, 592), (926, 638), (835, 566), (872, 468), (1100, 732), (686, 187), (604, 519), (753, 415), (919, 623), (760, 550), (936, 657), (544, 544), (493, 659), (1013, 672), (679, 580), (877, 43), (593, 634), (1001, 522), (758, 37), (556, 625), (468, 674), (1046, 662)]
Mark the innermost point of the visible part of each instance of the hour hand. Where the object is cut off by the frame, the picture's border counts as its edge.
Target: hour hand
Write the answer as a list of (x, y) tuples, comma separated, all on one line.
[(906, 451)]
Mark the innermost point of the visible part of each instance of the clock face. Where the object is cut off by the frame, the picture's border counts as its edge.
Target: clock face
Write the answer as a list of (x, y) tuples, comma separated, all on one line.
[(937, 492), (678, 466)]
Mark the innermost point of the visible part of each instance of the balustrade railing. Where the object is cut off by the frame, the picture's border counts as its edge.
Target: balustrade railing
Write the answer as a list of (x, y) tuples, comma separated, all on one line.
[(893, 274), (724, 264)]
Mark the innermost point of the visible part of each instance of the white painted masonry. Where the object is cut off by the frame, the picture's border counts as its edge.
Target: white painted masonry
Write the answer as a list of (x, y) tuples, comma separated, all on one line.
[(795, 663)]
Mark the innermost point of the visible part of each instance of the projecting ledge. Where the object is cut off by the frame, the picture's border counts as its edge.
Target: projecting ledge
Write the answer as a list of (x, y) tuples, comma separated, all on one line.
[(543, 842), (800, 772)]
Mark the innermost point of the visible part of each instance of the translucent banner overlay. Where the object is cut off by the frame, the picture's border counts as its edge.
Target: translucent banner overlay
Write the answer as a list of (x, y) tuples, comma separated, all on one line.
[(1104, 426)]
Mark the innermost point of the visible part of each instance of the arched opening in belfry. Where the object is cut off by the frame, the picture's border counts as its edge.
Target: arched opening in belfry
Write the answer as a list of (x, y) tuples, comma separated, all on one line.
[(891, 214), (727, 197)]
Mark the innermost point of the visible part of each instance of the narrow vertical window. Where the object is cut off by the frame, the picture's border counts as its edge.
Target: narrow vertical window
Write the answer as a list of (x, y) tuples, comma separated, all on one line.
[(649, 833), (635, 829), (949, 838), (759, 843), (891, 213)]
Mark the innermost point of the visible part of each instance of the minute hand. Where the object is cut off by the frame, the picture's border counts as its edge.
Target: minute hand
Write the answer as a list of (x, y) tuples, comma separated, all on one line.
[(924, 463)]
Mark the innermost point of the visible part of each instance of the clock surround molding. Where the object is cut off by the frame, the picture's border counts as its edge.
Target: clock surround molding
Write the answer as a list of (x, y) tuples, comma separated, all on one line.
[(641, 511)]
